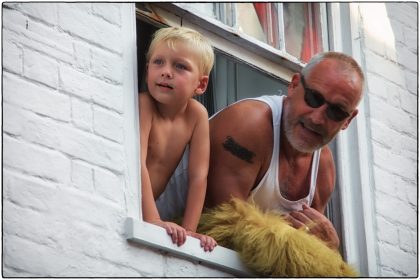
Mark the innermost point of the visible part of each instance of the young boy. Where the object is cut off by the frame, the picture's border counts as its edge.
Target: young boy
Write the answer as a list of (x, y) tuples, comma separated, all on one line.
[(179, 61)]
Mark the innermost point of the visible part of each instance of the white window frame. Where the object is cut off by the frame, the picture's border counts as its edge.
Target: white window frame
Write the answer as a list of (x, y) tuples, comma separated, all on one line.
[(354, 163), (354, 166)]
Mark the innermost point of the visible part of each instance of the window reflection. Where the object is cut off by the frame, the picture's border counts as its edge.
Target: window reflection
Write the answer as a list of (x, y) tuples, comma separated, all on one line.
[(302, 29), (291, 27)]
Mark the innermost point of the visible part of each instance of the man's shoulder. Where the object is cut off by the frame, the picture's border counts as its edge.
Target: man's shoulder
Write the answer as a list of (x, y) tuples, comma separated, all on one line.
[(247, 119)]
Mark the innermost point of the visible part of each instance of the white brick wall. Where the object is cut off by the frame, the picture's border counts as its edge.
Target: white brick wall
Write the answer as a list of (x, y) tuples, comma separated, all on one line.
[(65, 165), (391, 71), (64, 172)]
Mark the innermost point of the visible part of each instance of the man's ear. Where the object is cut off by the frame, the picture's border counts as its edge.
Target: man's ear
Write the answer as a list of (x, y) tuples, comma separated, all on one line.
[(294, 83), (202, 86), (347, 123)]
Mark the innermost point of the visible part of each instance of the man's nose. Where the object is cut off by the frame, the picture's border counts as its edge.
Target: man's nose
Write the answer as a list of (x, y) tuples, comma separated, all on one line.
[(319, 115)]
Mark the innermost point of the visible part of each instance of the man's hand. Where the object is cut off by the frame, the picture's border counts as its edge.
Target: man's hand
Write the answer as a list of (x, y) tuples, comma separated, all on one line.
[(315, 223), (206, 242), (176, 232)]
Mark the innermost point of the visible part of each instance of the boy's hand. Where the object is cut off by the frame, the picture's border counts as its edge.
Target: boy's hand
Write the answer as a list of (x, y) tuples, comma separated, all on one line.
[(177, 233), (206, 242)]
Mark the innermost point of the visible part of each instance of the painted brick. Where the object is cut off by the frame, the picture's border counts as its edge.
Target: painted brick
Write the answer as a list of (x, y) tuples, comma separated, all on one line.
[(11, 123), (396, 142), (92, 149), (74, 19), (108, 124), (82, 56), (40, 68), (74, 142), (81, 114), (13, 19), (406, 240), (33, 160), (411, 82), (396, 164), (207, 272), (31, 257), (50, 36), (27, 192), (82, 176), (384, 181), (383, 89), (107, 65), (395, 118), (398, 259), (12, 57), (387, 231), (387, 272), (31, 225), (30, 40), (377, 64), (408, 59), (39, 99), (109, 185), (403, 13), (179, 268), (395, 210), (91, 210), (411, 191), (109, 11), (409, 103), (89, 88), (46, 12), (32, 127), (410, 38)]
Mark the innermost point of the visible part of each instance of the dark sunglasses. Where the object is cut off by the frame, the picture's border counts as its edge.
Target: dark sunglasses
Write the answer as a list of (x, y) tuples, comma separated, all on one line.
[(315, 100)]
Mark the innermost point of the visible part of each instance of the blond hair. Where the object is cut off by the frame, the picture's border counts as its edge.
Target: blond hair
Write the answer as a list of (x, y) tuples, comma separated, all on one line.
[(195, 42)]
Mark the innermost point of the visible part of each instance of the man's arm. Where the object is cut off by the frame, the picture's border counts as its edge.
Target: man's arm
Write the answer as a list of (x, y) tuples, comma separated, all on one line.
[(240, 139)]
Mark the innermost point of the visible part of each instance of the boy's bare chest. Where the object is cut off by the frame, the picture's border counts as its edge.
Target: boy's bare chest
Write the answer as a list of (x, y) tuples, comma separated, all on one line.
[(167, 140)]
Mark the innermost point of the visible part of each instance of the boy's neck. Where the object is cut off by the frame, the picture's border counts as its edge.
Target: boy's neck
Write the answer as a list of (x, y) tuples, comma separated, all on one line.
[(171, 111)]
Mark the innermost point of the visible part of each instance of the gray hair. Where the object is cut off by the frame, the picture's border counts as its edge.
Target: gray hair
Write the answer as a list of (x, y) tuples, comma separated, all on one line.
[(347, 62)]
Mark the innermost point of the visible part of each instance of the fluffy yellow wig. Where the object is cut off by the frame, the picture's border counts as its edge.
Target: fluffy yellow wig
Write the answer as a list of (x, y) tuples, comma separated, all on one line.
[(268, 245)]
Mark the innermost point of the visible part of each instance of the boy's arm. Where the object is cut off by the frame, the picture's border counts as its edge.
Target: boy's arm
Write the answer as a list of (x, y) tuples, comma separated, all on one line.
[(197, 171), (149, 209)]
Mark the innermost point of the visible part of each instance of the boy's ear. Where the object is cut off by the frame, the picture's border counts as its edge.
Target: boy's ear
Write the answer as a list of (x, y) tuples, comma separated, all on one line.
[(202, 86)]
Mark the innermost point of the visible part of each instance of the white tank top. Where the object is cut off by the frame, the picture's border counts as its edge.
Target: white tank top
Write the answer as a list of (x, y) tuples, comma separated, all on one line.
[(267, 194)]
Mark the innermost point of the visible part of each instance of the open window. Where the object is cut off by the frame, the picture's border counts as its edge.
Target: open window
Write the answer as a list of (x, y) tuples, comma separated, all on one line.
[(253, 58)]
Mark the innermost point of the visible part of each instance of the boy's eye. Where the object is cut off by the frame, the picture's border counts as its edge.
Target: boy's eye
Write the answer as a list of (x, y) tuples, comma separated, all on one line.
[(180, 66), (158, 61)]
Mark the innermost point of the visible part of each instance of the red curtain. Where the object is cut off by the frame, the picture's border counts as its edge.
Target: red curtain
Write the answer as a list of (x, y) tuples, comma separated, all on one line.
[(311, 39), (268, 18)]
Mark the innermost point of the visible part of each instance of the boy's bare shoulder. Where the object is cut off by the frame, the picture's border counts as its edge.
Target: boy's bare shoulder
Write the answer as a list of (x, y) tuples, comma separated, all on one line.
[(196, 108), (146, 102)]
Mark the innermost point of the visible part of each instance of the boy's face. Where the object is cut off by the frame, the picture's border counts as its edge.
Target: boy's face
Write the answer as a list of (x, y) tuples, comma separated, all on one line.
[(173, 75)]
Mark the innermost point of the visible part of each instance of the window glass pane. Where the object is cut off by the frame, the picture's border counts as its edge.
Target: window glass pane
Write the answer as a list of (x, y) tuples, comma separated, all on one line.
[(302, 29), (259, 20), (233, 80)]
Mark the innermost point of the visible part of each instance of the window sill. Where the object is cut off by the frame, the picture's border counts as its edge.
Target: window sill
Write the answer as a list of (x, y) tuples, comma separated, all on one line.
[(221, 258)]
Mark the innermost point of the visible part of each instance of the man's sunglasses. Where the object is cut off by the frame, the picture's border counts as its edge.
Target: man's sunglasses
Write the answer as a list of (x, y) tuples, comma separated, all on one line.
[(315, 100)]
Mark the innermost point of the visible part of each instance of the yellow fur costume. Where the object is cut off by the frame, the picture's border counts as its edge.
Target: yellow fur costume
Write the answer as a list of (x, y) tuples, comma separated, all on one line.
[(268, 245)]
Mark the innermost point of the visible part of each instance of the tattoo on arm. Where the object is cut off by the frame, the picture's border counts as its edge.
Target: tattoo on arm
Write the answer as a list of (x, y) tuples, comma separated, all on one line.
[(237, 150)]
